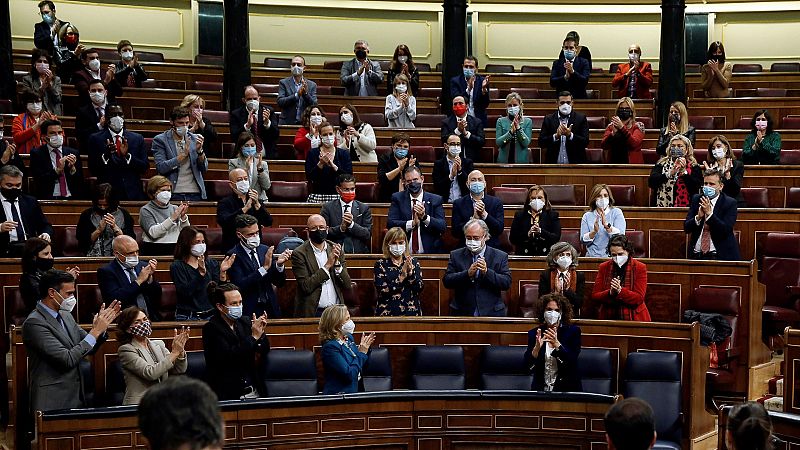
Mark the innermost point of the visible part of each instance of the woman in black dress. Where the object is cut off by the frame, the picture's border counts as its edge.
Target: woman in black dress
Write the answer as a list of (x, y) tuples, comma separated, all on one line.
[(536, 227)]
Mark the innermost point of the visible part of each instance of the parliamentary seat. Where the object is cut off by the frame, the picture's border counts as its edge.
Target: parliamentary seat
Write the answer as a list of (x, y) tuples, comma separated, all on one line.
[(278, 63), (499, 68), (596, 370), (785, 67), (535, 69), (290, 373), (377, 372), (503, 368), (747, 68), (655, 377), (288, 191), (756, 197), (780, 273), (438, 367), (511, 195), (528, 297)]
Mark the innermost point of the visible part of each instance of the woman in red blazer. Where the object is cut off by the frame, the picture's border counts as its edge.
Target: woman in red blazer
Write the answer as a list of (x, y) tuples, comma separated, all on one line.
[(621, 284), (622, 140), (637, 70)]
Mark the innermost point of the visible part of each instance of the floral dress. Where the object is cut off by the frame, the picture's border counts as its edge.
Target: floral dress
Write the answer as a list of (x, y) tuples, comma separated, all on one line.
[(395, 297)]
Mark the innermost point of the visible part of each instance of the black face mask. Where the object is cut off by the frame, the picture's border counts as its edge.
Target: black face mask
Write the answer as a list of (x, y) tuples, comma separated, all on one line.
[(361, 54), (675, 118), (414, 187), (719, 58), (318, 236), (44, 263), (624, 113), (11, 194)]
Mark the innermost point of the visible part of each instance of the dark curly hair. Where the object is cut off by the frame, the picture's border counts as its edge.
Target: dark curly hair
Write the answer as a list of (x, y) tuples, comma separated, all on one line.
[(564, 306), (620, 240)]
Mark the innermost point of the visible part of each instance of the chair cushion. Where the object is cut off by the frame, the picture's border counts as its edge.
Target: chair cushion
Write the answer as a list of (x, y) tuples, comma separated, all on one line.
[(560, 194), (377, 371), (290, 373), (510, 195), (438, 367), (527, 299), (756, 197), (624, 194), (655, 377), (596, 370), (782, 245)]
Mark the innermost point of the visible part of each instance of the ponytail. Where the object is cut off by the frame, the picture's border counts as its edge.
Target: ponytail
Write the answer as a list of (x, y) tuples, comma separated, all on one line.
[(750, 427)]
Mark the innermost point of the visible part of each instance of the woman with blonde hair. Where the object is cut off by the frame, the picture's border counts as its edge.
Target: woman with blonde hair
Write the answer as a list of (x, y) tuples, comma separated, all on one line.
[(197, 124), (401, 105), (677, 176), (341, 358), (398, 278), (513, 132), (601, 222), (622, 141), (678, 123)]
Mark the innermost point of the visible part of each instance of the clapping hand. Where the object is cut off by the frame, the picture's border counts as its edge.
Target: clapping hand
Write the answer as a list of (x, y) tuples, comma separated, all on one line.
[(104, 317), (366, 342), (617, 122), (479, 209), (551, 336), (615, 287), (258, 326), (462, 125), (539, 343), (569, 68), (179, 341), (226, 263), (485, 84), (705, 207), (283, 257), (74, 271), (347, 219)]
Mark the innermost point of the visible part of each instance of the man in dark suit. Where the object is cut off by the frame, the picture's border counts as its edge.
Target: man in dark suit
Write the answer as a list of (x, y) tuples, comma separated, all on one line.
[(91, 118), (20, 216), (451, 171), (295, 93), (473, 88), (129, 280), (320, 269), (256, 118), (117, 156), (56, 344), (710, 220), (467, 128), (478, 205), (420, 213), (91, 70), (242, 200), (45, 33), (565, 134), (255, 270), (349, 220), (361, 76), (570, 73), (56, 168), (478, 274)]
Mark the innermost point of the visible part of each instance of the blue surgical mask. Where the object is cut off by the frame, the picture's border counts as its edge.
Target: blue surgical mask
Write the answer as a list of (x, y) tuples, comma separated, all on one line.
[(48, 18), (234, 312), (469, 73), (569, 54), (249, 151), (476, 187), (709, 191), (400, 153)]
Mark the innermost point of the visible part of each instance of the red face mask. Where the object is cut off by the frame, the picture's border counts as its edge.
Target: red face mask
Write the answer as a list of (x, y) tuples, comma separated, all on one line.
[(71, 39), (348, 197), (460, 109)]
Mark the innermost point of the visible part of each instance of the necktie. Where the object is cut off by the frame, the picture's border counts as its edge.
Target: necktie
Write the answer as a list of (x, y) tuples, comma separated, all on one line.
[(140, 301), (347, 248), (62, 179), (259, 143), (474, 260), (300, 102), (254, 258), (705, 239), (414, 231), (118, 144), (562, 148), (15, 218), (563, 279), (99, 113)]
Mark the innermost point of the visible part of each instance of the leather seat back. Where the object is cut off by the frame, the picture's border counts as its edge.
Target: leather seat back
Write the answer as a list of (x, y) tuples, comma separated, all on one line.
[(655, 377), (503, 367), (724, 301), (527, 300), (196, 365), (115, 383), (510, 195), (561, 194), (438, 367), (288, 191), (780, 267), (596, 370), (377, 372), (290, 373)]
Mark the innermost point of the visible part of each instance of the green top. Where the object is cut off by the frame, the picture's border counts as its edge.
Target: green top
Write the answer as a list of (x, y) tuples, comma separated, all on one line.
[(505, 140), (767, 152)]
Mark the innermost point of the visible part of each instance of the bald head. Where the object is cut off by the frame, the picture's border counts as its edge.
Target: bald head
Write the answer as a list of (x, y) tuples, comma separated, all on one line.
[(236, 175), (124, 246), (315, 222), (475, 175)]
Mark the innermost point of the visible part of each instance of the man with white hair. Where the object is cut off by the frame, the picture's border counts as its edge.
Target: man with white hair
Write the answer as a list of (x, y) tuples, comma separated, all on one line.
[(361, 76), (130, 280)]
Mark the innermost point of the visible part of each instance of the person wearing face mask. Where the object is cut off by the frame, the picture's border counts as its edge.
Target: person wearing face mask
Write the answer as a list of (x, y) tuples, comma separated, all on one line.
[(451, 171), (561, 276), (634, 78), (67, 53), (402, 63), (342, 359), (361, 76), (565, 133), (92, 118), (324, 164), (710, 221), (247, 157), (100, 224), (191, 272), (391, 166), (513, 133), (570, 72), (350, 220), (117, 156), (601, 222), (56, 345), (21, 216), (554, 346), (478, 205), (355, 136), (536, 227), (621, 284), (763, 144), (478, 274), (716, 75), (473, 90), (197, 124), (179, 155), (8, 151), (161, 221), (307, 136), (129, 72), (42, 79), (37, 258), (232, 341), (320, 270), (676, 177), (242, 200), (26, 128), (418, 212), (469, 129), (398, 278), (257, 118), (622, 140), (720, 157), (147, 362), (678, 124), (580, 50), (296, 93), (130, 280), (750, 427), (56, 168), (92, 70), (401, 105), (45, 33)]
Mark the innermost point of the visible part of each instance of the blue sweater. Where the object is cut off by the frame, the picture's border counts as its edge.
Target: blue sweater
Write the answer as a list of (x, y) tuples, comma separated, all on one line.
[(598, 247)]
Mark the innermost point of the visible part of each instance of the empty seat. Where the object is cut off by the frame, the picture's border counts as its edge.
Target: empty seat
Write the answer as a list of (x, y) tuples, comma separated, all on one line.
[(745, 68), (725, 302), (596, 370), (428, 92), (424, 153), (780, 273), (503, 367), (217, 189), (115, 384), (332, 65), (214, 241), (771, 92), (210, 60), (288, 191), (692, 68), (791, 122), (222, 117), (208, 85), (785, 67), (263, 88), (196, 365), (655, 377), (499, 68), (373, 118), (624, 194), (272, 236), (87, 378), (278, 63), (597, 122), (793, 197), (367, 192), (561, 194), (594, 156), (422, 67), (744, 122), (535, 69), (636, 237), (149, 56), (527, 93), (377, 371), (790, 157), (702, 122), (510, 195), (65, 242), (504, 241), (593, 94), (384, 63), (289, 373), (612, 68), (573, 237), (166, 306), (528, 297), (429, 120), (756, 197), (438, 367), (646, 121)]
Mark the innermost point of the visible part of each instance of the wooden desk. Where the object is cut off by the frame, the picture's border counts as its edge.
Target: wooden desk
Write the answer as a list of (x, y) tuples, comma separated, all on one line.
[(791, 379)]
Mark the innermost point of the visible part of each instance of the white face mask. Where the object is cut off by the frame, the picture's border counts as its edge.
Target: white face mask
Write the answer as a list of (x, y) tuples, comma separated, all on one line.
[(316, 120), (397, 249), (181, 131), (328, 140), (297, 70), (474, 246), (564, 262), (536, 204), (131, 261), (252, 242), (94, 64), (349, 327), (243, 186), (565, 109), (401, 88), (198, 250), (620, 260), (127, 56), (552, 317), (633, 56), (67, 304), (55, 141), (116, 123), (252, 105), (35, 107), (602, 202), (513, 110), (347, 119), (163, 197), (718, 152), (234, 312), (97, 97), (454, 150), (402, 59)]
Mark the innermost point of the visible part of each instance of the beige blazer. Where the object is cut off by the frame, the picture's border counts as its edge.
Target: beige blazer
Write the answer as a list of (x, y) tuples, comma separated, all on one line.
[(141, 373)]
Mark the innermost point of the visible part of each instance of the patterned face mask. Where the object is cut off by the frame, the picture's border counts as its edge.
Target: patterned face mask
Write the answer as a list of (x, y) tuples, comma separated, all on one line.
[(142, 330)]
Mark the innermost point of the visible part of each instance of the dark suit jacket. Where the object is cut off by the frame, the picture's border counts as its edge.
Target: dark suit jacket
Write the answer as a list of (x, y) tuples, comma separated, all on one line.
[(576, 147), (356, 239), (352, 82), (539, 244), (387, 187), (463, 208), (483, 293), (86, 120), (114, 285), (42, 39), (15, 160), (568, 379), (458, 87), (577, 82), (400, 213), (291, 103), (33, 221), (124, 174), (441, 177), (257, 293), (231, 357), (123, 71), (721, 224), (310, 277), (268, 136), (45, 175), (575, 297), (228, 209), (342, 367), (471, 148), (733, 187), (81, 80)]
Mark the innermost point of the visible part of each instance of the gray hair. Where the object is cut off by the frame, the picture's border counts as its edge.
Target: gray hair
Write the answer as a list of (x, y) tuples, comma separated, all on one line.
[(480, 222), (10, 171), (561, 247), (362, 41)]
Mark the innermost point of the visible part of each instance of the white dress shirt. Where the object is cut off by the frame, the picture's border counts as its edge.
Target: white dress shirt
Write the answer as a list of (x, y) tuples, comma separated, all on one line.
[(328, 295), (698, 222), (7, 205), (410, 223), (57, 186)]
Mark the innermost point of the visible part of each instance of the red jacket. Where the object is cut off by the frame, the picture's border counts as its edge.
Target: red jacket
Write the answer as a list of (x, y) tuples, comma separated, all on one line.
[(628, 304), (643, 81), (624, 146)]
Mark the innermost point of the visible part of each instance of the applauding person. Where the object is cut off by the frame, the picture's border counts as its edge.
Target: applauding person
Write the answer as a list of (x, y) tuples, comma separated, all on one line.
[(324, 164), (676, 177), (42, 80), (356, 136), (621, 284), (197, 124), (678, 123), (350, 220), (361, 76), (398, 278), (26, 128), (451, 171), (721, 157), (341, 358), (622, 140), (536, 226), (402, 63), (561, 276), (401, 105), (247, 157), (554, 346), (763, 144), (256, 117), (161, 221), (468, 128), (602, 221), (243, 200), (716, 75), (100, 224), (56, 168), (420, 213), (129, 72), (130, 280), (191, 272), (180, 157), (513, 132), (710, 220), (296, 93), (391, 166), (117, 156), (473, 90), (634, 78)]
